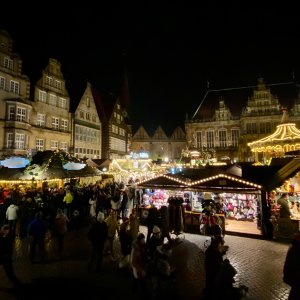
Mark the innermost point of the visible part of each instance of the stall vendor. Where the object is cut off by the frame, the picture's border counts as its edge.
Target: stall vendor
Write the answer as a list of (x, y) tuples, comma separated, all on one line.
[(285, 211)]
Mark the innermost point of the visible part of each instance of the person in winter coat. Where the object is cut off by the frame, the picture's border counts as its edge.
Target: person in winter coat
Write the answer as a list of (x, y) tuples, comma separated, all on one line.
[(93, 203), (154, 241), (60, 229), (97, 235), (223, 288), (139, 263), (165, 224), (134, 221), (291, 271), (124, 204), (12, 217), (126, 243), (213, 262), (6, 251), (36, 233), (151, 220), (113, 229)]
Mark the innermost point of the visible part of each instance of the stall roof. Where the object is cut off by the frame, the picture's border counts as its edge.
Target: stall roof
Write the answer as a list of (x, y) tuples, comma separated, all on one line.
[(287, 171), (259, 174), (212, 179), (49, 165), (225, 183), (192, 174), (253, 178), (163, 182), (10, 173)]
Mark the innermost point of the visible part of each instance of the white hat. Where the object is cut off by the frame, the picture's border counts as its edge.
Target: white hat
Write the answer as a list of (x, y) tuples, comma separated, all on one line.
[(156, 229)]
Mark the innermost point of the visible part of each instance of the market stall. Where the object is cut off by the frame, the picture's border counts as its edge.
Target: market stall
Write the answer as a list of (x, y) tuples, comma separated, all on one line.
[(51, 168), (158, 191), (281, 144), (239, 200), (285, 180)]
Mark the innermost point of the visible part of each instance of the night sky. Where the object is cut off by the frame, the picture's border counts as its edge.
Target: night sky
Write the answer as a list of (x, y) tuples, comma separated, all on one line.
[(170, 51)]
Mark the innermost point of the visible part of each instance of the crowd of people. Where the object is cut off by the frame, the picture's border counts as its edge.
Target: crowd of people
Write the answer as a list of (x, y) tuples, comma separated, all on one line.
[(111, 213)]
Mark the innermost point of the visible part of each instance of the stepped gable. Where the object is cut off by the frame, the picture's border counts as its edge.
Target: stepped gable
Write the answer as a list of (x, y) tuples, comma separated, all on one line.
[(236, 98)]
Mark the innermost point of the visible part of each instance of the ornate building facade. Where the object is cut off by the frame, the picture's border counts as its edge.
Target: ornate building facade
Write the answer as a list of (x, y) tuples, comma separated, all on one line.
[(50, 118), (87, 127), (227, 120), (92, 128), (15, 127)]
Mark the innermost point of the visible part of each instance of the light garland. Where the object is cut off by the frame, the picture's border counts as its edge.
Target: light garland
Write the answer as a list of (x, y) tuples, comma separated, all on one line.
[(286, 138), (191, 184)]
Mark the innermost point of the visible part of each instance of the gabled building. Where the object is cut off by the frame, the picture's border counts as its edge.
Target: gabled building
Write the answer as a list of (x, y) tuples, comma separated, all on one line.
[(51, 119), (87, 127), (114, 127), (227, 120), (159, 145), (15, 127)]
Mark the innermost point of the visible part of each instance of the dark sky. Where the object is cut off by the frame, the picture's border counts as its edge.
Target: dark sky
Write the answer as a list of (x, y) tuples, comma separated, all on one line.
[(172, 50)]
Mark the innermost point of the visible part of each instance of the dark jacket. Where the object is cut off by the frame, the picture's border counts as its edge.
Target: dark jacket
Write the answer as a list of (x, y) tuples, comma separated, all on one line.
[(213, 263), (98, 233)]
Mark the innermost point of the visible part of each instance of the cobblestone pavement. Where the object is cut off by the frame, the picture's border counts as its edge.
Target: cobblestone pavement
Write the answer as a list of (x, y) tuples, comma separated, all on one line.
[(258, 262)]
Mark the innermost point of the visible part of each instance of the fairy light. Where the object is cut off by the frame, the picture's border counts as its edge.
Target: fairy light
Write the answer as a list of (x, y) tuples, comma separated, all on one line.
[(194, 183), (285, 138)]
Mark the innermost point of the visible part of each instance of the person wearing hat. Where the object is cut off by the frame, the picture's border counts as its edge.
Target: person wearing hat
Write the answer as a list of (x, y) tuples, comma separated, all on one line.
[(154, 241), (291, 271)]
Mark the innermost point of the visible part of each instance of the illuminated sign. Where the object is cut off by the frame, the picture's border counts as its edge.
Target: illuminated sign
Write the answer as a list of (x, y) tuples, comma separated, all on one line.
[(15, 162)]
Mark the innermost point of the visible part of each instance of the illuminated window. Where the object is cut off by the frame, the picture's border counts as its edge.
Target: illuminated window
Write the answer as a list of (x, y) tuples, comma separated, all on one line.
[(57, 84), (21, 114), (10, 141), (20, 141), (55, 123), (14, 87), (88, 102), (64, 125), (52, 99), (11, 113), (199, 139), (39, 144), (62, 102), (223, 138), (235, 134), (40, 120), (117, 144), (8, 63), (49, 80), (42, 96), (210, 139)]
